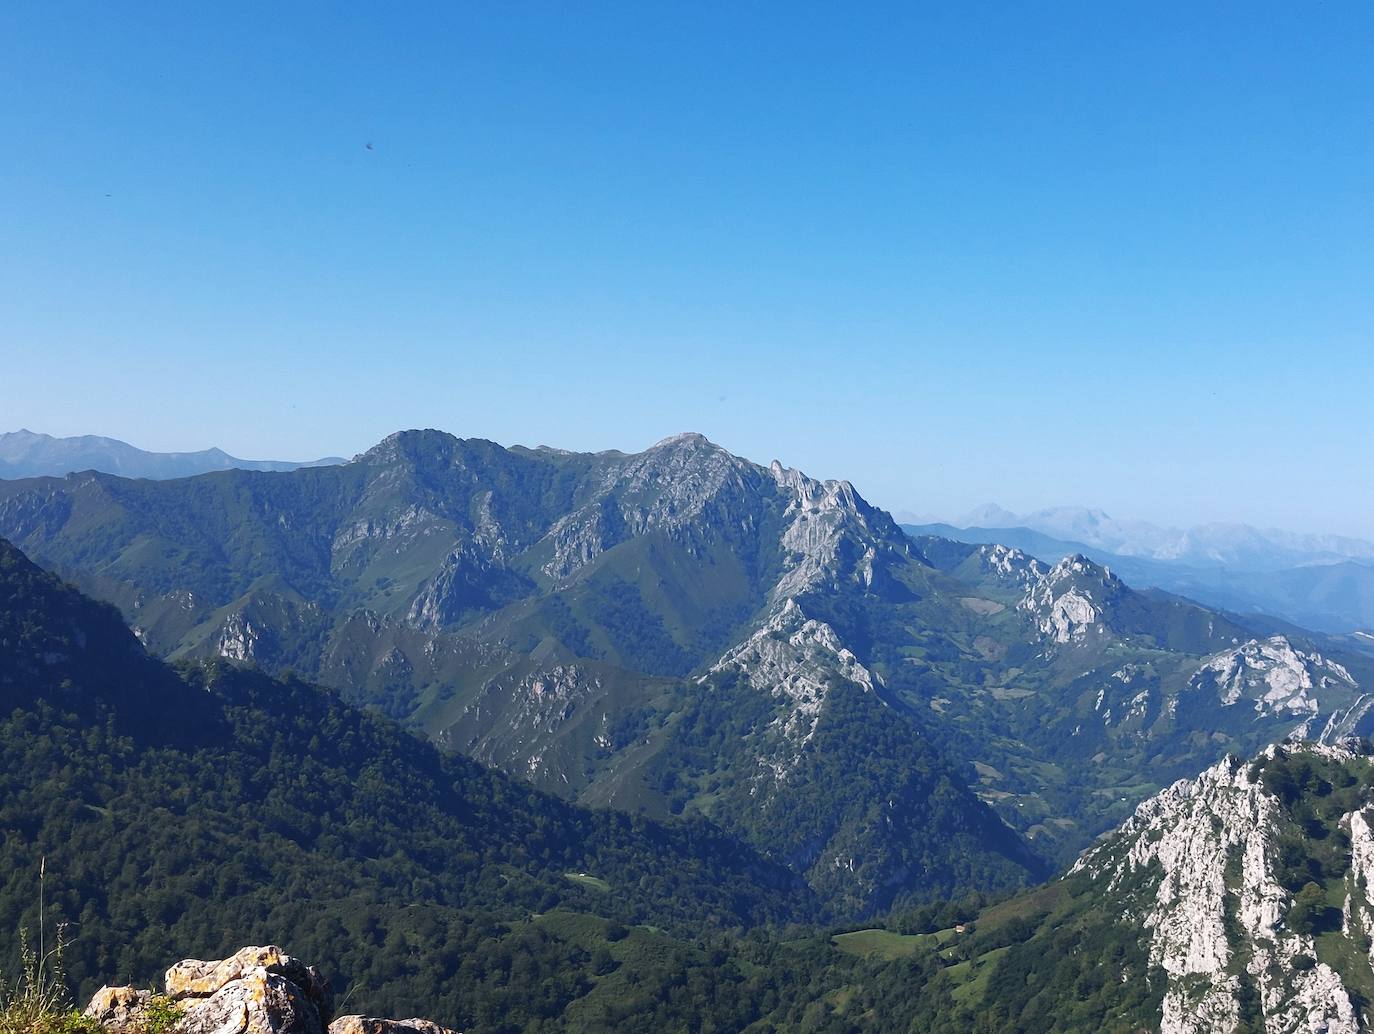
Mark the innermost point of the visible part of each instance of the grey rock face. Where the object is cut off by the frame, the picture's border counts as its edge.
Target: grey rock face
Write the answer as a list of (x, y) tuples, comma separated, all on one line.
[(257, 990), (1273, 674), (1175, 852), (1071, 600)]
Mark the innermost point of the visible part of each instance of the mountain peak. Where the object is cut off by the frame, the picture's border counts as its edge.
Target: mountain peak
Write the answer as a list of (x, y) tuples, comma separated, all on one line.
[(1076, 565), (989, 515), (816, 496), (1011, 565), (1072, 600), (415, 434), (410, 443), (687, 439), (1278, 677)]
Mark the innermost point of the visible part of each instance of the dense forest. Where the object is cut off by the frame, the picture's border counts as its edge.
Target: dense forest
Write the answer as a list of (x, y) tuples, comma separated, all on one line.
[(188, 812)]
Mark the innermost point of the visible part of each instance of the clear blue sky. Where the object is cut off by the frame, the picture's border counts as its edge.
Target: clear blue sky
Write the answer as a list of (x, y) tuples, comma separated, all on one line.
[(1111, 254)]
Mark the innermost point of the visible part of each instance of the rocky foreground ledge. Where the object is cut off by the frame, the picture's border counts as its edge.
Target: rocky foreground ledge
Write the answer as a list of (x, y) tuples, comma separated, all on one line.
[(257, 990)]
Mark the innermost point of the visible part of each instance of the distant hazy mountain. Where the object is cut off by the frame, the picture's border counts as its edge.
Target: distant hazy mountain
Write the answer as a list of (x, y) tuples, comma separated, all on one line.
[(989, 515), (26, 454), (1328, 596), (1235, 546)]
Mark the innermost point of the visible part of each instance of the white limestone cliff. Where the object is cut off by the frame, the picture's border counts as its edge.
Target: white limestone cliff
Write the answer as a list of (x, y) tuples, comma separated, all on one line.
[(1068, 602), (1198, 849), (1273, 675)]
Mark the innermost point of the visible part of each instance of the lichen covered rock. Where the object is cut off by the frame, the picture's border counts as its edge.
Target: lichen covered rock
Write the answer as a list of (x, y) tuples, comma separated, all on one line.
[(372, 1025), (257, 990), (119, 1008)]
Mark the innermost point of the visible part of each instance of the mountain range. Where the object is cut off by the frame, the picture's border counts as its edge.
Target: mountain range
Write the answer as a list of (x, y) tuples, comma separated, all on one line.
[(1324, 582), (751, 708), (1334, 596), (1234, 546), (684, 632), (28, 454)]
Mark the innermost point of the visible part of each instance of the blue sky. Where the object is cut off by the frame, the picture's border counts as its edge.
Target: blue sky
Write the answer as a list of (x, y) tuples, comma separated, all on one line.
[(1110, 254)]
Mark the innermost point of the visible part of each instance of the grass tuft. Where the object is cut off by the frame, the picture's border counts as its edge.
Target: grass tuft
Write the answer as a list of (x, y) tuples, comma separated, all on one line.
[(38, 1002)]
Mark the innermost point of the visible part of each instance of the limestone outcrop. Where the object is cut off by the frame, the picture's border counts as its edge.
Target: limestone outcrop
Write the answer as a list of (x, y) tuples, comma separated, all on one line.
[(257, 990), (1197, 867)]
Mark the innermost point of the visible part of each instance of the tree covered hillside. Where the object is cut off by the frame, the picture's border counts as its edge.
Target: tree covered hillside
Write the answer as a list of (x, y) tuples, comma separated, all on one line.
[(184, 813)]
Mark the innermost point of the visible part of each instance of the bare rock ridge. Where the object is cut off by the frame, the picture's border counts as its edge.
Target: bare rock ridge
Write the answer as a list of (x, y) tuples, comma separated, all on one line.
[(257, 990), (1205, 868)]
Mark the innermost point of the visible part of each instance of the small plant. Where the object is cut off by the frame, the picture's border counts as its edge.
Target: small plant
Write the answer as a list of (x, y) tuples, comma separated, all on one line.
[(339, 1007), (38, 1002), (160, 1014)]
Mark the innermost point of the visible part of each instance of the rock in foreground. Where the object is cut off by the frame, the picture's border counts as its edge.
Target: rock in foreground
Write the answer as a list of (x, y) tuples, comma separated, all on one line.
[(257, 990)]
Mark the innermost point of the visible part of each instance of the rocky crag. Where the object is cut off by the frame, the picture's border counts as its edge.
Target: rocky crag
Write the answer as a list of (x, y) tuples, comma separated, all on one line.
[(1251, 883)]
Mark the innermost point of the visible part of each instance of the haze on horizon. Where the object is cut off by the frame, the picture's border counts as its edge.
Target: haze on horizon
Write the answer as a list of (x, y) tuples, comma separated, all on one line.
[(1118, 259)]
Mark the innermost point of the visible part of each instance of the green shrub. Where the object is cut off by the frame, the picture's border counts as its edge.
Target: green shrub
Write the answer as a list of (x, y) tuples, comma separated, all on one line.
[(161, 1014)]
